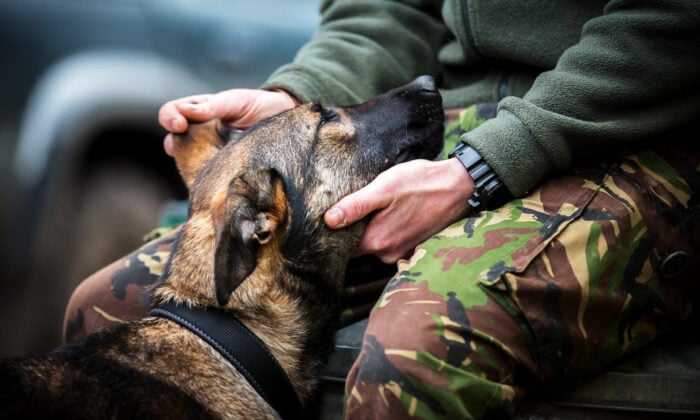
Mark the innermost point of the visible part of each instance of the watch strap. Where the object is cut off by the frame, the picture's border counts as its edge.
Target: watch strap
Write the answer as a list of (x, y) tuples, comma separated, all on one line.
[(489, 189)]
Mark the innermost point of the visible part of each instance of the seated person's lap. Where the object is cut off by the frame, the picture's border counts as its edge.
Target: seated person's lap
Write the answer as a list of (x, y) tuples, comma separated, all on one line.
[(549, 288)]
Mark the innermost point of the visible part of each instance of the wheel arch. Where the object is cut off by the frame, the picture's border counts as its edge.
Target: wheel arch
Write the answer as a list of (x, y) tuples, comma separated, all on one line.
[(86, 93), (78, 110)]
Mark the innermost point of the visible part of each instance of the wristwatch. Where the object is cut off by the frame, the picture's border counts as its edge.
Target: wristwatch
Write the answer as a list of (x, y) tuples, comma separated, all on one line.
[(489, 190)]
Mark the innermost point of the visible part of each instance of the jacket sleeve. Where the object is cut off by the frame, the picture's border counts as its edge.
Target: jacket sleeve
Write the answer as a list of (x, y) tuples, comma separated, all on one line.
[(633, 75), (364, 48)]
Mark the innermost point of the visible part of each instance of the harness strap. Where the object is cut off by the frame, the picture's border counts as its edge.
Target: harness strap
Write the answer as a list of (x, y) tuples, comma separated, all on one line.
[(237, 344)]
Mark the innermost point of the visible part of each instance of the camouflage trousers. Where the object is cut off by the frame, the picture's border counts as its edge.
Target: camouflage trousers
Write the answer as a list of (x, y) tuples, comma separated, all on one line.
[(121, 291), (550, 288)]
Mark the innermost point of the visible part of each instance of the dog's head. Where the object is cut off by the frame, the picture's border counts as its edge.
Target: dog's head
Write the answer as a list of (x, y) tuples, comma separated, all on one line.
[(257, 197)]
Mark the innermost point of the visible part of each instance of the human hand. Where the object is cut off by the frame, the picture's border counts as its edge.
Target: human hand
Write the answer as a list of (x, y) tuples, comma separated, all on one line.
[(238, 107), (413, 201)]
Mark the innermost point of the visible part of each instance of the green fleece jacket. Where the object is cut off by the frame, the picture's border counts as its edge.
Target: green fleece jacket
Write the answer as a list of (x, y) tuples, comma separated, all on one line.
[(574, 79)]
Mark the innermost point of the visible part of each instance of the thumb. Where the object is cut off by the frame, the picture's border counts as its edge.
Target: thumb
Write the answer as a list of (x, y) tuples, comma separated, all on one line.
[(353, 208), (335, 217)]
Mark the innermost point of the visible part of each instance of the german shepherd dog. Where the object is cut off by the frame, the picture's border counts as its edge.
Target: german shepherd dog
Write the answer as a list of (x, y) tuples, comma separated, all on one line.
[(254, 249)]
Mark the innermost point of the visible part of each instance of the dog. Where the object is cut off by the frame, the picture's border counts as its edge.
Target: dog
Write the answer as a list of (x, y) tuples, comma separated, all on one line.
[(255, 252)]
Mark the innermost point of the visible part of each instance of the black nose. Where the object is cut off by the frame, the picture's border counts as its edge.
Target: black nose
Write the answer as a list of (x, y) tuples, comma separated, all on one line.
[(425, 83)]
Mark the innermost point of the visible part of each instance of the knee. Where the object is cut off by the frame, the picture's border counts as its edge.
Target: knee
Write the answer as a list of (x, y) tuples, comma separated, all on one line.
[(89, 307), (119, 292), (429, 375), (390, 383)]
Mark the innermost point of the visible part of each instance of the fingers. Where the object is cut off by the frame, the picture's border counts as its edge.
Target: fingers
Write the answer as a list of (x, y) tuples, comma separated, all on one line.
[(356, 206), (174, 115), (352, 208), (244, 107), (408, 202), (168, 145), (238, 107), (335, 217)]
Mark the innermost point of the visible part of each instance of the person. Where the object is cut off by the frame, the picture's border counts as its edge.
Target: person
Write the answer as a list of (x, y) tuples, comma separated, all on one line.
[(561, 233)]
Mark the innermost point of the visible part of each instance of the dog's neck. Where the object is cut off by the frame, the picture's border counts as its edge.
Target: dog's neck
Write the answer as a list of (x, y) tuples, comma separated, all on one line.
[(291, 308), (242, 349)]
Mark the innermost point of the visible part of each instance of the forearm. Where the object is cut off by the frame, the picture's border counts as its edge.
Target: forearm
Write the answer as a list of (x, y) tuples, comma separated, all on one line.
[(632, 75), (363, 49)]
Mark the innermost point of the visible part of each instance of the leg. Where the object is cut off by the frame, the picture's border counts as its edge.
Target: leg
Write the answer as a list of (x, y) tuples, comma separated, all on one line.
[(548, 289), (119, 292)]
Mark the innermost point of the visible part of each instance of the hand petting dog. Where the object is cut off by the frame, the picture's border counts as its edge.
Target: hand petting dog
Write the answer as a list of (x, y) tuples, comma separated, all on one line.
[(398, 200)]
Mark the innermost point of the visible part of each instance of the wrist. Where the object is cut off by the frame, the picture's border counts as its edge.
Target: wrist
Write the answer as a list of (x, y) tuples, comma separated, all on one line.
[(460, 182), (489, 190)]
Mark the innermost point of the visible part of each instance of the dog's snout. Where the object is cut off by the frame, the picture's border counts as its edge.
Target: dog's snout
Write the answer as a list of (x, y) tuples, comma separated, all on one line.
[(426, 102), (422, 88), (425, 84)]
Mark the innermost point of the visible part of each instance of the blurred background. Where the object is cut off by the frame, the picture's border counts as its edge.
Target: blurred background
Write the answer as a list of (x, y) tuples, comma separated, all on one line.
[(83, 175)]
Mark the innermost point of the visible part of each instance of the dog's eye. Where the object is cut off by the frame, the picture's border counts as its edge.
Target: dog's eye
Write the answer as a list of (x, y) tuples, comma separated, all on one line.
[(327, 114)]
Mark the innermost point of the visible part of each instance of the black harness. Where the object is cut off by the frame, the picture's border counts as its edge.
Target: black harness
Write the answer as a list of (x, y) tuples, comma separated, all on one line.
[(240, 347)]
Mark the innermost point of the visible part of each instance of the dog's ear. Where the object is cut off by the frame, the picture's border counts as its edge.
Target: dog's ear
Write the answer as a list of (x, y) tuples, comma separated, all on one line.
[(252, 213), (197, 146)]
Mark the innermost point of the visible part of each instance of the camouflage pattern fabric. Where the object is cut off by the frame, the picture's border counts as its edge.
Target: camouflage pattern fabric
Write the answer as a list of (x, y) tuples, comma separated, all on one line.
[(550, 288), (120, 291)]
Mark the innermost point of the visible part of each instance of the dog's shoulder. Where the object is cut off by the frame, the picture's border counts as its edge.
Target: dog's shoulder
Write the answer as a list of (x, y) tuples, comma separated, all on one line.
[(86, 380)]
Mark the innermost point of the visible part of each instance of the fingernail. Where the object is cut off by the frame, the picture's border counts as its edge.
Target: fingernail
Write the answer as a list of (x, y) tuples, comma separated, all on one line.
[(178, 124), (335, 217)]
